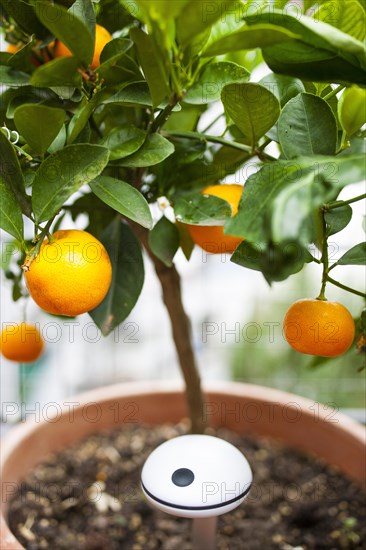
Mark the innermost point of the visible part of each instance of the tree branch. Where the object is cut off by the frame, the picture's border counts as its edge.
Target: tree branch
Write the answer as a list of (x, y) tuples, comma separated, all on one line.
[(171, 287)]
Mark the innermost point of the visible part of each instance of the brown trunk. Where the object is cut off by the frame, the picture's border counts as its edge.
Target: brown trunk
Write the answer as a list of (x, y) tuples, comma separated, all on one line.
[(171, 287)]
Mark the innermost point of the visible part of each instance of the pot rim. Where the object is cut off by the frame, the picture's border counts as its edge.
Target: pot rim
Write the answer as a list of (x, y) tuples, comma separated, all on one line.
[(239, 389)]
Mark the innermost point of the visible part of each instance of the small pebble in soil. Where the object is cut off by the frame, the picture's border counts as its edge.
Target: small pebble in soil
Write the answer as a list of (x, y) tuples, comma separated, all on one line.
[(88, 497)]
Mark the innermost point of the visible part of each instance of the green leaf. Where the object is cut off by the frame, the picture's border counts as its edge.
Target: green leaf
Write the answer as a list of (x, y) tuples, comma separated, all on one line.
[(39, 125), (248, 38), (123, 198), (352, 110), (322, 54), (212, 79), (58, 72), (123, 141), (112, 54), (338, 218), (354, 256), (11, 174), (11, 219), (11, 77), (25, 17), (276, 262), (164, 240), (325, 176), (115, 49), (144, 10), (134, 94), (291, 209), (199, 15), (22, 59), (84, 11), (155, 149), (202, 209), (347, 16), (59, 141), (81, 117), (252, 108), (127, 278), (307, 126), (62, 174), (69, 28), (283, 87), (151, 63), (186, 243)]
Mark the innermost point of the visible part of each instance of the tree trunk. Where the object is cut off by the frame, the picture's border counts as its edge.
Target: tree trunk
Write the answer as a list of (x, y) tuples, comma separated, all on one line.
[(171, 287)]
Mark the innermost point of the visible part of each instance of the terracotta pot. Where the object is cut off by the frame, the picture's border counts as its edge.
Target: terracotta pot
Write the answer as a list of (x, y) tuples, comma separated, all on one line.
[(245, 409)]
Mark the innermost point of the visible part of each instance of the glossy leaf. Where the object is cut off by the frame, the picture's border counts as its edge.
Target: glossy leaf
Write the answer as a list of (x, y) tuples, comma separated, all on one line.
[(159, 10), (12, 77), (354, 256), (211, 81), (283, 87), (338, 218), (347, 16), (23, 13), (62, 174), (115, 49), (248, 38), (352, 109), (307, 126), (186, 243), (202, 209), (198, 15), (155, 149), (122, 142), (59, 142), (152, 65), (123, 198), (58, 72), (84, 11), (291, 210), (127, 277), (70, 29), (324, 176), (323, 53), (132, 95), (11, 219), (11, 174), (164, 240), (39, 125), (81, 117), (252, 108), (22, 59), (276, 261), (112, 54)]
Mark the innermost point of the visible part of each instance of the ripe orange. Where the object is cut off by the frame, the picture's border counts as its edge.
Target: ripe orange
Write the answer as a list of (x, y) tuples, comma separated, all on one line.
[(212, 238), (12, 48), (71, 274), (319, 327), (102, 37), (21, 342)]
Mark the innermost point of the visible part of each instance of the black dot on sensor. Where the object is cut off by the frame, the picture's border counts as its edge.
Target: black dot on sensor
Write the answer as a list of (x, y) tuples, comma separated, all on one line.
[(182, 477)]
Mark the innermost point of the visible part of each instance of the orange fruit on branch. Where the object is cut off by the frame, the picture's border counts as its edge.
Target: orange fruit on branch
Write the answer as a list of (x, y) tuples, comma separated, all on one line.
[(21, 342), (102, 37), (71, 274), (212, 238), (319, 327)]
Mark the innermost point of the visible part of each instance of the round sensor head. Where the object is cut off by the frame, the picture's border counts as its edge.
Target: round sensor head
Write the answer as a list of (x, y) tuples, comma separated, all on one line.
[(196, 476)]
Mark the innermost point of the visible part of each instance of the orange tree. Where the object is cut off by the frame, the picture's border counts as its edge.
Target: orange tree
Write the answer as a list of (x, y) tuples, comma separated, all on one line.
[(108, 138)]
